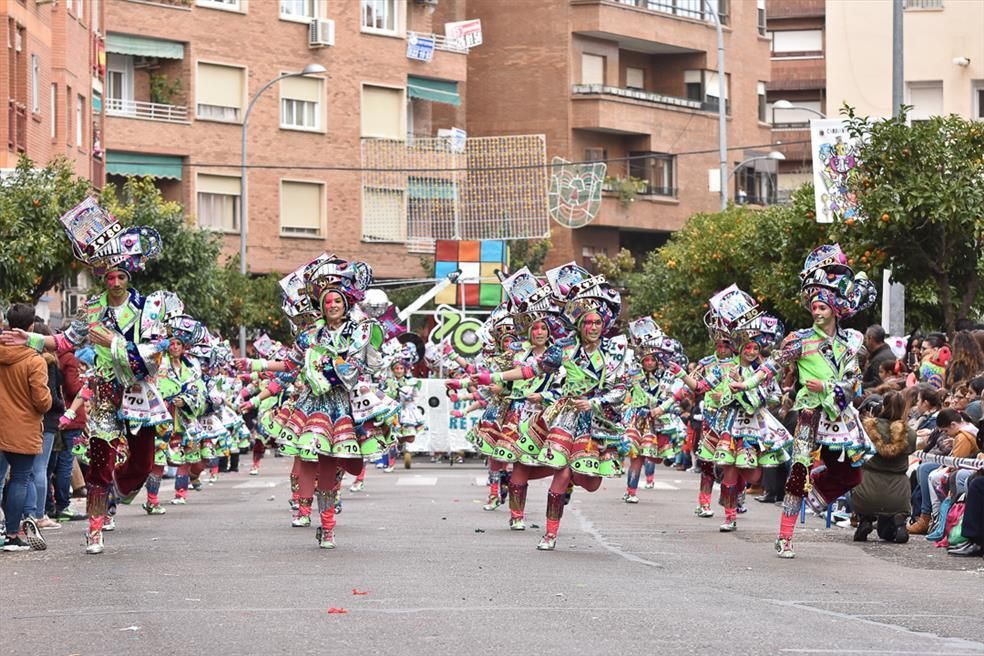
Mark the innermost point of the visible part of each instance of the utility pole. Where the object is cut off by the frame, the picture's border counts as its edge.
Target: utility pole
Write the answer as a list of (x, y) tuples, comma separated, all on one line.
[(893, 294)]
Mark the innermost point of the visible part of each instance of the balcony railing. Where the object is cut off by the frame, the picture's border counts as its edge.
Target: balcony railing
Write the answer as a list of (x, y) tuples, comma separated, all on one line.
[(923, 4), (693, 9), (643, 188), (146, 110), (441, 42), (16, 126), (645, 96)]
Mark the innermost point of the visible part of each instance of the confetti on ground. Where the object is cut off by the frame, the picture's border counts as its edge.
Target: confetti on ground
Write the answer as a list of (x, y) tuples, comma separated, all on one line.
[(356, 591), (337, 611)]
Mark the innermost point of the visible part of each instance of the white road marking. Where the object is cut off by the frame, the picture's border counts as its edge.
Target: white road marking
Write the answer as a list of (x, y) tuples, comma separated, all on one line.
[(254, 485), (660, 485), (417, 481)]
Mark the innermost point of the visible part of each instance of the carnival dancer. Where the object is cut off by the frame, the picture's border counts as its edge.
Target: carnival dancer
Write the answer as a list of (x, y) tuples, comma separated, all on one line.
[(711, 379), (653, 424), (825, 356), (180, 381), (405, 389), (749, 437), (585, 441), (331, 356), (119, 325), (497, 335), (537, 318)]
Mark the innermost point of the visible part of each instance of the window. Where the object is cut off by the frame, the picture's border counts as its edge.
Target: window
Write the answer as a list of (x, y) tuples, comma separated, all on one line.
[(35, 84), (68, 6), (379, 16), (95, 16), (763, 116), (68, 115), (53, 101), (703, 87), (303, 10), (592, 69), (119, 83), (797, 116), (760, 7), (218, 202), (220, 91), (227, 5), (635, 78), (301, 208), (797, 43), (656, 170), (300, 103), (595, 155), (79, 11), (383, 215), (79, 121), (978, 100), (382, 112), (926, 99)]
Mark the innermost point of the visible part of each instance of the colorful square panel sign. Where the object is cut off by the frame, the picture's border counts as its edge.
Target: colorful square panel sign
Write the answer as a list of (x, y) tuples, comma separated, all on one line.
[(478, 261)]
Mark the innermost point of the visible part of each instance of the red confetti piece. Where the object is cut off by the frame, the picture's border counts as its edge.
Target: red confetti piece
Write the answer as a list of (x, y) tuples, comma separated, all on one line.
[(337, 611), (356, 591)]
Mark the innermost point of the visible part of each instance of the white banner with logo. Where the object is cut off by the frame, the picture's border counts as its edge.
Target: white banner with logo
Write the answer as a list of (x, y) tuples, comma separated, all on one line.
[(443, 433)]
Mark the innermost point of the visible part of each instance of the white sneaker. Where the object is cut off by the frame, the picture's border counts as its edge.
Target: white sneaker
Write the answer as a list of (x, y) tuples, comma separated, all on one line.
[(649, 486), (94, 543), (178, 501), (253, 471), (389, 470), (358, 486), (630, 498), (109, 524)]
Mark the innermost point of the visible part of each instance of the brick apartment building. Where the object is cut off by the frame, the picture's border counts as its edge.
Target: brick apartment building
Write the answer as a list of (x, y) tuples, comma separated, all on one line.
[(796, 33), (181, 74), (52, 81), (608, 79)]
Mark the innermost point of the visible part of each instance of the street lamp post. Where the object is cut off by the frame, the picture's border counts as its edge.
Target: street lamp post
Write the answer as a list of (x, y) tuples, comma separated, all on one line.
[(310, 69), (774, 155), (722, 107)]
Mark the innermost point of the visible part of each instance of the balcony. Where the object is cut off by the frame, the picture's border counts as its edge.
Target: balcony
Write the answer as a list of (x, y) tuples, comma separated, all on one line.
[(691, 9), (147, 111), (650, 213), (613, 110), (16, 127), (649, 26)]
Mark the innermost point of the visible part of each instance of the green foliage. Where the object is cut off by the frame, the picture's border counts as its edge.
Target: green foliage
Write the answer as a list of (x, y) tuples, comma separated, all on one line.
[(35, 255), (617, 270), (528, 252), (762, 251), (163, 90), (921, 189)]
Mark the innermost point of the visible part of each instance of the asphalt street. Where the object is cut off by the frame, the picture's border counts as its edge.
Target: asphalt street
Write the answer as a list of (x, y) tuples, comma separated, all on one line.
[(420, 568)]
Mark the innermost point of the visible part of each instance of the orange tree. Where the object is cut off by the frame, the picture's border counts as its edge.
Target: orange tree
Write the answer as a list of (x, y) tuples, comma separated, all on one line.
[(921, 189), (762, 251)]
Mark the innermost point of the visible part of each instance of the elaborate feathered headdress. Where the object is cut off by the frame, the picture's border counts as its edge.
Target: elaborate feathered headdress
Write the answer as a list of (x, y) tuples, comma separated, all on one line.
[(185, 329), (101, 243), (740, 317), (827, 277), (580, 293)]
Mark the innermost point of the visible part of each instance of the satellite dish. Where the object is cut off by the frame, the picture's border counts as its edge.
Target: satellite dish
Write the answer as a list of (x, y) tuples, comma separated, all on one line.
[(574, 198)]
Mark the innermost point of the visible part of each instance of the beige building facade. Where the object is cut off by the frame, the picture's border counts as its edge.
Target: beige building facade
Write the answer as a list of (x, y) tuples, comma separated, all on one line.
[(943, 57)]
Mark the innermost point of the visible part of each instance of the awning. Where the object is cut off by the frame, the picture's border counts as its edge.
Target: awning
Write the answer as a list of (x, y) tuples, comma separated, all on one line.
[(430, 189), (442, 91), (142, 164), (141, 46)]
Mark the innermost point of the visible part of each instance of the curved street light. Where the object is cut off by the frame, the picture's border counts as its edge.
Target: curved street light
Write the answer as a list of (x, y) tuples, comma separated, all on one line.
[(785, 104), (310, 69), (773, 155)]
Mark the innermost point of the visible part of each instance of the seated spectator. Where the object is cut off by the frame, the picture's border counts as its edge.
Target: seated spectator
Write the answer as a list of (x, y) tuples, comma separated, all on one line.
[(938, 442), (974, 409), (927, 406), (973, 521), (959, 398), (883, 495), (964, 436), (878, 352), (967, 361), (935, 355), (890, 378)]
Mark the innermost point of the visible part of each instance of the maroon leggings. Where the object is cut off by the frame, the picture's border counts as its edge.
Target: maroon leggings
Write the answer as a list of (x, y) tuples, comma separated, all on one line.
[(130, 476)]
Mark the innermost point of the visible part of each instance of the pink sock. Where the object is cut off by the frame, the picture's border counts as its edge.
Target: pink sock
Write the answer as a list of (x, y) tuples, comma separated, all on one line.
[(553, 526), (786, 525)]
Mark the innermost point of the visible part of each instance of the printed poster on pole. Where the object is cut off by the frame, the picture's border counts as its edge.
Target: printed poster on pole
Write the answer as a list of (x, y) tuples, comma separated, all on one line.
[(835, 164)]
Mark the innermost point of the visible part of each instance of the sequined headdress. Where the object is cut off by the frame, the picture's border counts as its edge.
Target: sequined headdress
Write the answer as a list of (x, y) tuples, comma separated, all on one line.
[(103, 244), (580, 293), (333, 274), (532, 300), (827, 277)]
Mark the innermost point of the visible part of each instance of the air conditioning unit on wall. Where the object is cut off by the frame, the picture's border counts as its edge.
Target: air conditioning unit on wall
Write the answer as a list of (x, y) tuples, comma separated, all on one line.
[(322, 33)]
